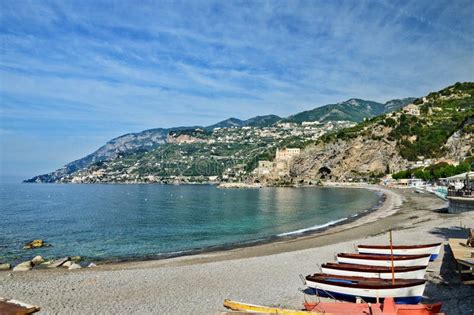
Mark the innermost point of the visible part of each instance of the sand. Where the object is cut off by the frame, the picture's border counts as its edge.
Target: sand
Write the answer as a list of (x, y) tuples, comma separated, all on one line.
[(266, 274)]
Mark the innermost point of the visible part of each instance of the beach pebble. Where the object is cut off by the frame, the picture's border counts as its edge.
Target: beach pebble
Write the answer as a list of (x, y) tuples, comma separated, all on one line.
[(67, 264), (76, 258), (24, 266), (91, 265), (5, 266), (37, 260), (74, 266)]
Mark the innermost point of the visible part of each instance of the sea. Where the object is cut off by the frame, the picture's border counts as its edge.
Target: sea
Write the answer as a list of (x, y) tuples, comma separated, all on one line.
[(129, 222)]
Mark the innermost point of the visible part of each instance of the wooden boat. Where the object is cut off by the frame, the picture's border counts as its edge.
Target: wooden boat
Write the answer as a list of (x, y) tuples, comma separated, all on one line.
[(387, 307), (10, 306), (383, 260), (404, 291), (252, 308), (340, 308), (415, 272), (431, 249)]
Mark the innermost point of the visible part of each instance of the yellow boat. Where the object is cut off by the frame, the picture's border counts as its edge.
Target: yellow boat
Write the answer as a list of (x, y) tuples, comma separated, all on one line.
[(244, 307)]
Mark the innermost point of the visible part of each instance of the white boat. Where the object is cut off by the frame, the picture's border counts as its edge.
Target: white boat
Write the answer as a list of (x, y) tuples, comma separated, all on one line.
[(404, 291), (381, 272), (384, 260), (432, 249)]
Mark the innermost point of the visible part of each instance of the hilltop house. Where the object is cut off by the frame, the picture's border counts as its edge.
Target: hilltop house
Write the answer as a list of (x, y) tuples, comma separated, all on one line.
[(412, 109)]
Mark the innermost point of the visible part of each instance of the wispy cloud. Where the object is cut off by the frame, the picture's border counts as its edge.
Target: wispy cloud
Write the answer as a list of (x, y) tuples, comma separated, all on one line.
[(98, 69)]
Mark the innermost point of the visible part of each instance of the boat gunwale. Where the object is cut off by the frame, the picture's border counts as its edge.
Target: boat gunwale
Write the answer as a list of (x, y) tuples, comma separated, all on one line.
[(400, 246), (382, 257), (366, 268)]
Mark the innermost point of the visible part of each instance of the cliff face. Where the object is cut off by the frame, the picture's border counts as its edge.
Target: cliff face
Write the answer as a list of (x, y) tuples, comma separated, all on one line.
[(461, 143), (360, 156)]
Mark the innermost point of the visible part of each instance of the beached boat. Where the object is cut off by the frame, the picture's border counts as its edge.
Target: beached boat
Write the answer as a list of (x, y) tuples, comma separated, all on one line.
[(404, 291), (340, 308), (414, 272), (384, 260), (11, 306), (387, 307), (431, 249)]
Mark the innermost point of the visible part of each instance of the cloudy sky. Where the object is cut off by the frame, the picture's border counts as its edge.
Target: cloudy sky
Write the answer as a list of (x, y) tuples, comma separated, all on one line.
[(74, 74)]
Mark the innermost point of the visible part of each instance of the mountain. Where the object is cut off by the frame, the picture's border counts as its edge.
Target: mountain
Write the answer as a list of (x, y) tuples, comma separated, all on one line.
[(257, 121), (228, 123), (434, 129), (262, 121), (127, 143), (352, 110)]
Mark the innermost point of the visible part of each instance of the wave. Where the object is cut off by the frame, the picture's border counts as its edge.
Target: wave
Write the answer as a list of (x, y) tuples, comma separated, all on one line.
[(313, 228)]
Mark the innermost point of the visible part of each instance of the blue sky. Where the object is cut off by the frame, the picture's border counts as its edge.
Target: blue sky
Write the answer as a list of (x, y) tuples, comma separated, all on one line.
[(74, 74)]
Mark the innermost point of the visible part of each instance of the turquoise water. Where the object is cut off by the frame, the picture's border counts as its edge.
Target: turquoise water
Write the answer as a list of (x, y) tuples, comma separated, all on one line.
[(114, 222)]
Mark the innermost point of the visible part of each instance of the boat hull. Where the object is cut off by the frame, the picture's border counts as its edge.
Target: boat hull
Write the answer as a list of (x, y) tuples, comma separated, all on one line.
[(401, 250), (374, 308), (422, 261), (405, 295), (417, 274)]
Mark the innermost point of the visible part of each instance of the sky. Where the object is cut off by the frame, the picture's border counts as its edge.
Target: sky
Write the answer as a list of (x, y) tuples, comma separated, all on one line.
[(74, 74)]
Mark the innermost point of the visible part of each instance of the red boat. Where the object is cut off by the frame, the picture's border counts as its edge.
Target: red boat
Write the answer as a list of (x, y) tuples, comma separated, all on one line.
[(388, 307)]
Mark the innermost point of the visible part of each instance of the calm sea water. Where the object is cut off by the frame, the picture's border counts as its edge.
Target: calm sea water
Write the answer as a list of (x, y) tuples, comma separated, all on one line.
[(108, 222)]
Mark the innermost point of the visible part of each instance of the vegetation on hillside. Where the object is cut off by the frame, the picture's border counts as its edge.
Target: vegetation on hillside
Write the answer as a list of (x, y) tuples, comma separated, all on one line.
[(433, 172), (442, 114), (421, 136)]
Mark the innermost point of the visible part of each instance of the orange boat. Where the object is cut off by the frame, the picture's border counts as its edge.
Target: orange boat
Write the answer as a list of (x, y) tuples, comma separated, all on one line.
[(388, 307)]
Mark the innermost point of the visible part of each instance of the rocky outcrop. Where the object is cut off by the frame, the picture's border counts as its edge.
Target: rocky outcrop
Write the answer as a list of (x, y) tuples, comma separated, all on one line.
[(342, 160), (35, 244), (461, 143), (185, 139)]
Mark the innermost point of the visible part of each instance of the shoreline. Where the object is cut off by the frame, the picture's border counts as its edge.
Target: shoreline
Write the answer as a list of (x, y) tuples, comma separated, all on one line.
[(265, 274)]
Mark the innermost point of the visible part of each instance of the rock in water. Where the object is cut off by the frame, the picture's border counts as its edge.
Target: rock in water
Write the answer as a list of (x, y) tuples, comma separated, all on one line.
[(74, 266), (37, 260), (35, 244), (58, 262), (24, 266), (76, 258), (5, 267)]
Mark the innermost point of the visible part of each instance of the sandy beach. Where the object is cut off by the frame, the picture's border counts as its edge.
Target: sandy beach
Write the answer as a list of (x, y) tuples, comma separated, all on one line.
[(265, 274)]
